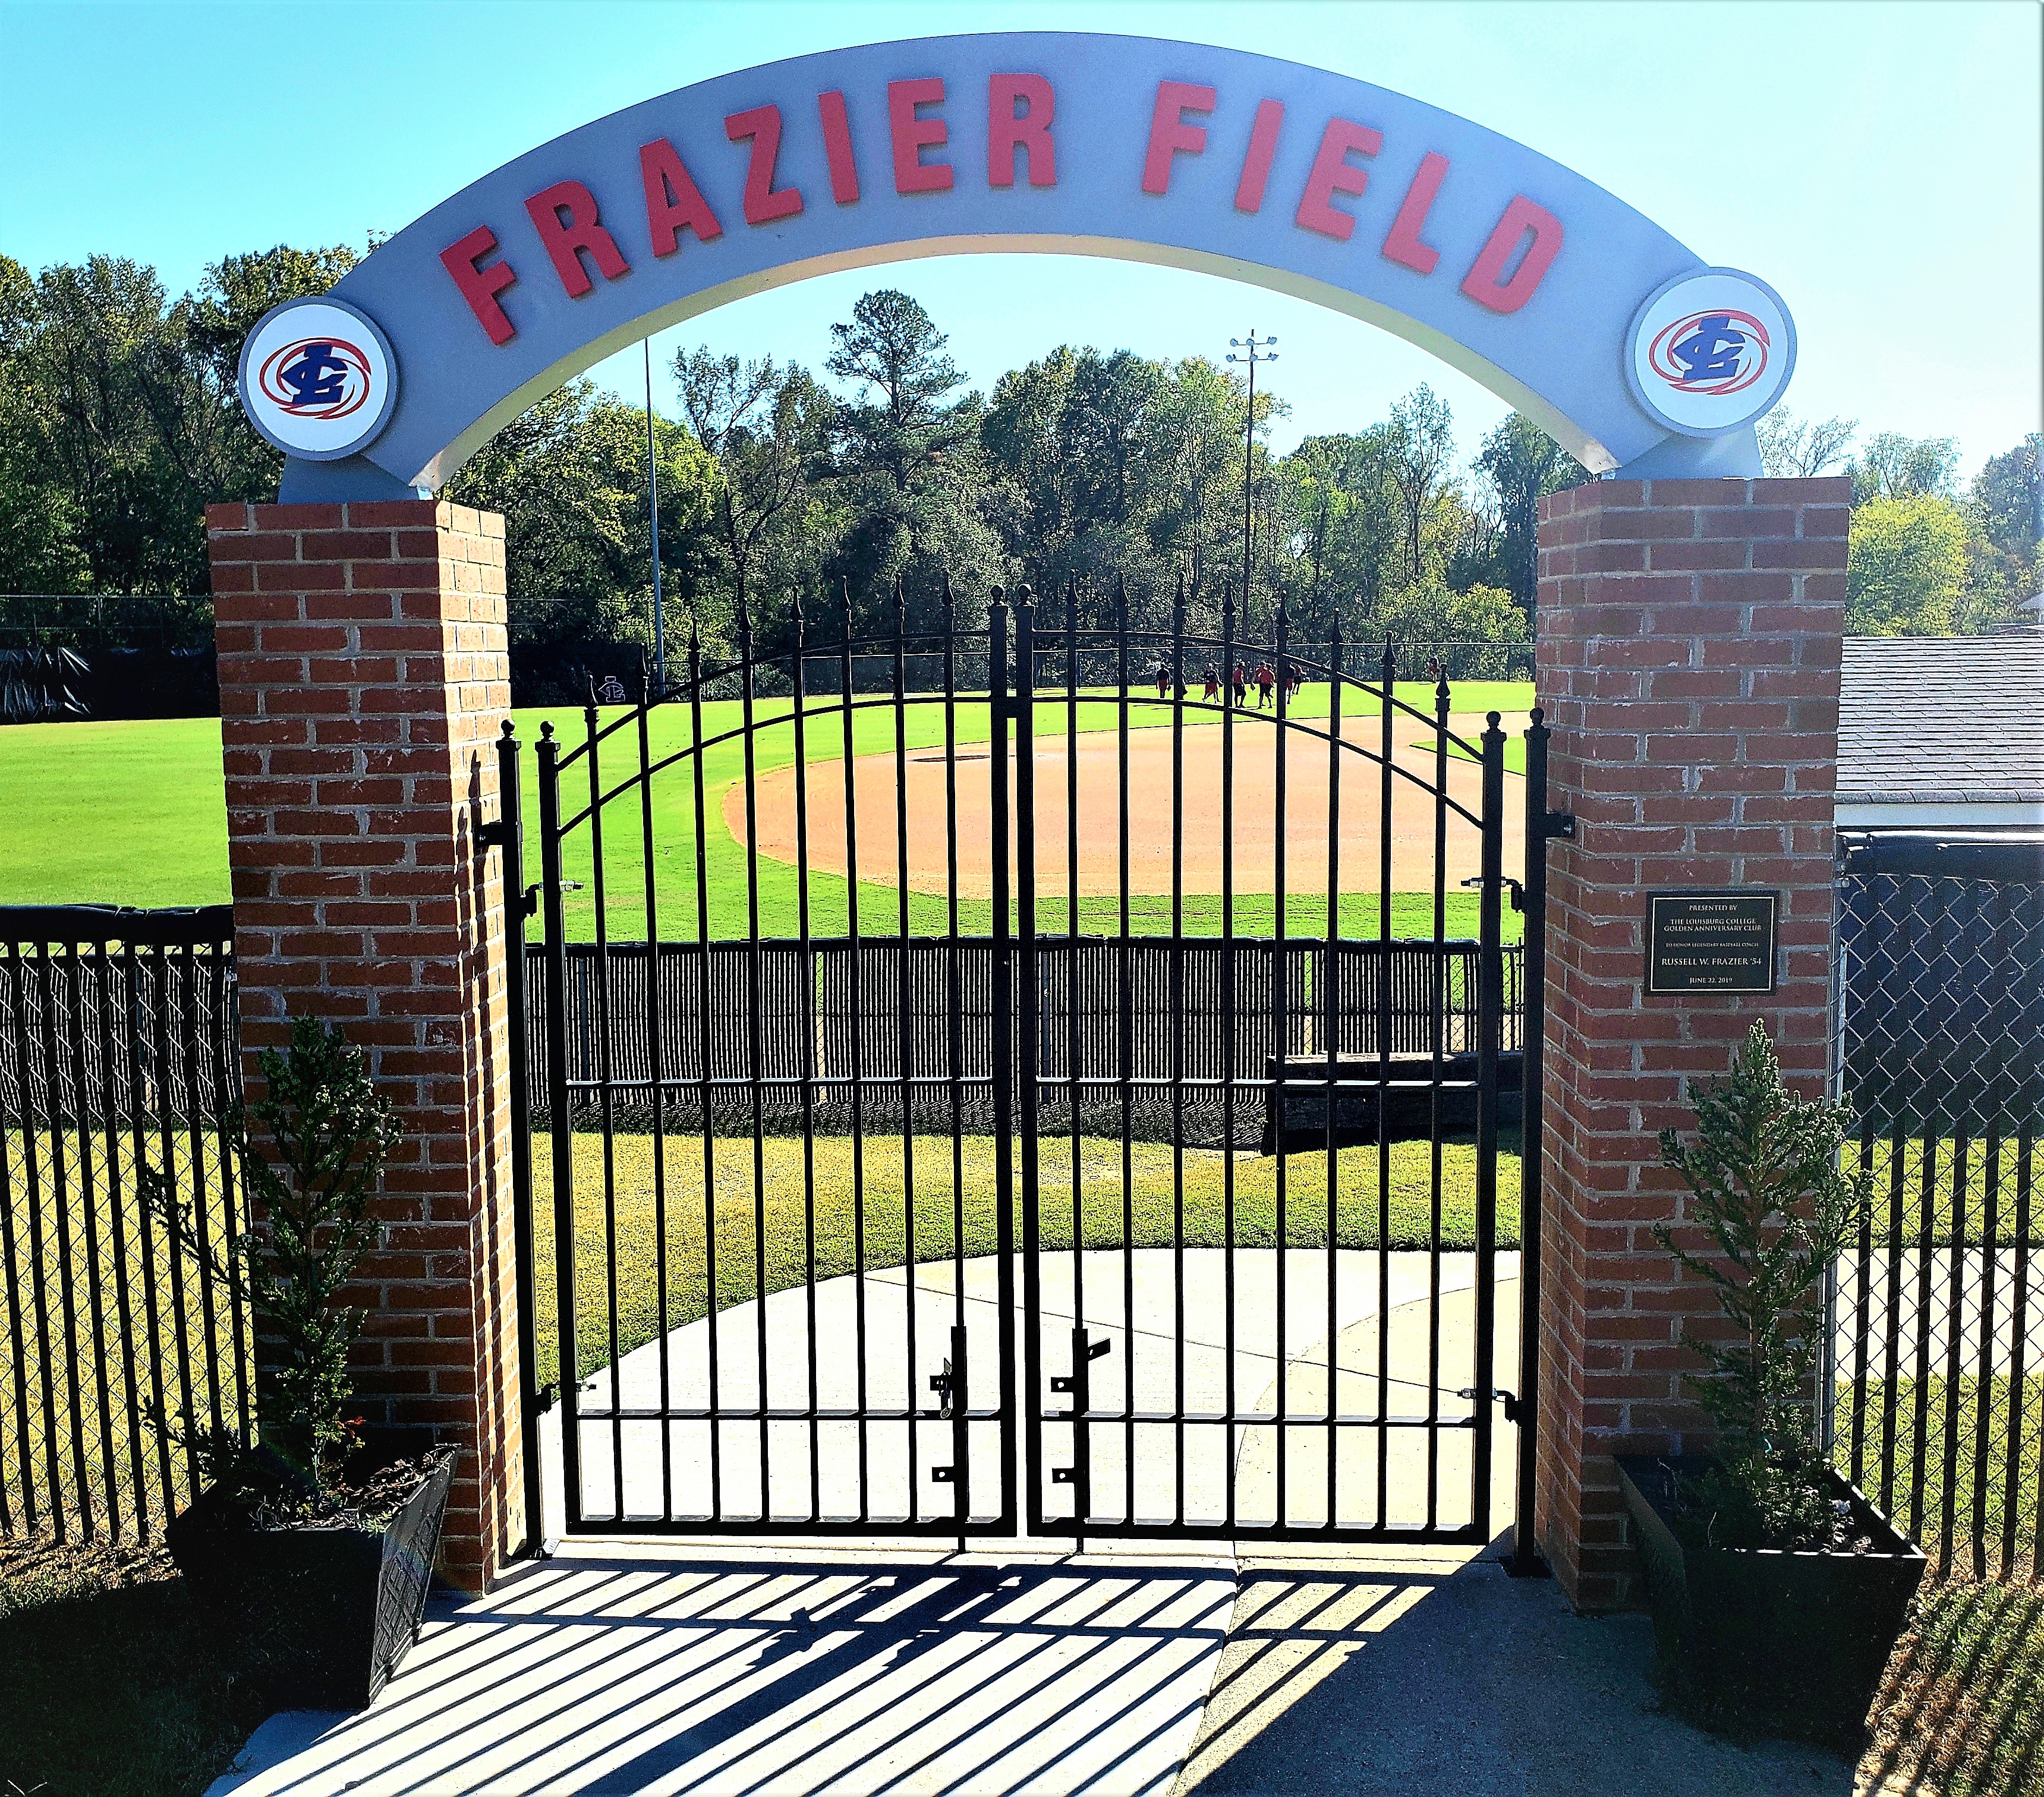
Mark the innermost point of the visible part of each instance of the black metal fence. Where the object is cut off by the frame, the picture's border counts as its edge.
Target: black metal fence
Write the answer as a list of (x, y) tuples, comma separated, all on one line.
[(1937, 1318), (1178, 1024), (118, 1048)]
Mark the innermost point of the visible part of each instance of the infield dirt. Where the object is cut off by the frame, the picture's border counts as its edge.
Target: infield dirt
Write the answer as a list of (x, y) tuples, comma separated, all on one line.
[(1308, 781)]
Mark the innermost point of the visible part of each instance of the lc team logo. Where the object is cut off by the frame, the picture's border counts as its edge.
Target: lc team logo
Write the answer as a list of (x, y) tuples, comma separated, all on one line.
[(318, 378), (1710, 351)]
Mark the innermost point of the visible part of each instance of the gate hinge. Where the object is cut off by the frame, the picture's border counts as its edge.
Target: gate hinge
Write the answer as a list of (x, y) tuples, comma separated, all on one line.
[(499, 835), (1515, 1410), (1558, 823), (542, 1400)]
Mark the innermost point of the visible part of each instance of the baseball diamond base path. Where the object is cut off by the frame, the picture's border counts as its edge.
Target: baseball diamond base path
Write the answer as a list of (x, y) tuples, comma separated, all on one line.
[(1307, 784)]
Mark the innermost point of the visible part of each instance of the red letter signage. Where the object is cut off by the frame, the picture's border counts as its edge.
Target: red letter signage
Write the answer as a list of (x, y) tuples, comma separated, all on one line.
[(569, 238), (1256, 164), (479, 286), (762, 204), (837, 148), (1404, 244), (1333, 173), (1483, 284), (912, 174), (1029, 131), (673, 202), (1169, 133)]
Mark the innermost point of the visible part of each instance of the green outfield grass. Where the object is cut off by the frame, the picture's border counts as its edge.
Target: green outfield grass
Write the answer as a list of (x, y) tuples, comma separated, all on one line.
[(132, 813)]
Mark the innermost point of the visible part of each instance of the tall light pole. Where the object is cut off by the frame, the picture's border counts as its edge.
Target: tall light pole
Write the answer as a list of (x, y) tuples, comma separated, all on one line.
[(1254, 350), (653, 500)]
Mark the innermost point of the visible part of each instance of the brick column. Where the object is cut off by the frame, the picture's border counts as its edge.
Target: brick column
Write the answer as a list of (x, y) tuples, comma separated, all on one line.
[(1689, 645), (364, 676)]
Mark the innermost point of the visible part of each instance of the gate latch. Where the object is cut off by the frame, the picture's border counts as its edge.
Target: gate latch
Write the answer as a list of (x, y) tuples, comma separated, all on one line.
[(1064, 1381), (1514, 1409), (941, 1383), (1517, 890)]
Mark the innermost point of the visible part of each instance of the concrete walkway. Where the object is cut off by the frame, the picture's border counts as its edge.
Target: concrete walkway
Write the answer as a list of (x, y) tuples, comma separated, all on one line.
[(1175, 1340), (784, 1671)]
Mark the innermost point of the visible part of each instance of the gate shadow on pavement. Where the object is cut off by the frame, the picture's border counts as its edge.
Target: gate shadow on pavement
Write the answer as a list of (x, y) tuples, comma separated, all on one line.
[(789, 1674)]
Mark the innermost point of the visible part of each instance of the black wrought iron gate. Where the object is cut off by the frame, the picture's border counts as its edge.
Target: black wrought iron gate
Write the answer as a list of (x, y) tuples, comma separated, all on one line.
[(978, 1095)]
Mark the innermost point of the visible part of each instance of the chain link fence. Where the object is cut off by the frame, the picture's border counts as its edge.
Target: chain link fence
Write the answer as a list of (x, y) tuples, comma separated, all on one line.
[(1937, 1336)]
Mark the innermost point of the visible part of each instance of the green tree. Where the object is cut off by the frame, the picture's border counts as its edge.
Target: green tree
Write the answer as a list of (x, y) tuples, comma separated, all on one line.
[(1895, 467), (2005, 513), (911, 466), (1420, 453), (118, 418), (569, 475), (904, 417), (768, 431), (1351, 545), (1906, 567), (1796, 448), (1523, 464), (1430, 612)]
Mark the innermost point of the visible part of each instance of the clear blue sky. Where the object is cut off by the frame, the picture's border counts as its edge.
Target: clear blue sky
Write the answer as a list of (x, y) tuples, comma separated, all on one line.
[(1879, 164)]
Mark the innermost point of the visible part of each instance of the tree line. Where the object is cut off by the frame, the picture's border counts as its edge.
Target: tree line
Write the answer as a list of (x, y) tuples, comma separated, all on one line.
[(1927, 557), (1100, 471)]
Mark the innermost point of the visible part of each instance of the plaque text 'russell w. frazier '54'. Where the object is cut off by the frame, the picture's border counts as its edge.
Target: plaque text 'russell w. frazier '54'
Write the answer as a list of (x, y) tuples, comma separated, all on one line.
[(1710, 941)]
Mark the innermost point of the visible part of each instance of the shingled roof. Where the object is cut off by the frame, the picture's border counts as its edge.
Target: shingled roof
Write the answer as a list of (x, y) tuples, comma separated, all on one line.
[(1952, 719)]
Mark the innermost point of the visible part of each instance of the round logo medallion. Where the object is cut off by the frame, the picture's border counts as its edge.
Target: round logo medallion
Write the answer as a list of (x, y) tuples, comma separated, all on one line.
[(318, 378), (1710, 352)]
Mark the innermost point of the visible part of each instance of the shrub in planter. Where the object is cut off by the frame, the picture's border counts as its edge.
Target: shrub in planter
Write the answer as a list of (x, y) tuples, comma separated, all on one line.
[(1777, 1590), (317, 1544)]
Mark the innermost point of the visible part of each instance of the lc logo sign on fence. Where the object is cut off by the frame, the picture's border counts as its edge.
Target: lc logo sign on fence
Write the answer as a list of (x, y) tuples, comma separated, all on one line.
[(1625, 345)]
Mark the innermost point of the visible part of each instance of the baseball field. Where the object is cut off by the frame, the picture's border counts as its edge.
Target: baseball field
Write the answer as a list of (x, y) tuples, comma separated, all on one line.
[(133, 813)]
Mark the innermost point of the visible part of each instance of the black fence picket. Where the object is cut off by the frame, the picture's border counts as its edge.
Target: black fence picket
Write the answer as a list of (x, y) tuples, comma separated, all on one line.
[(117, 1049)]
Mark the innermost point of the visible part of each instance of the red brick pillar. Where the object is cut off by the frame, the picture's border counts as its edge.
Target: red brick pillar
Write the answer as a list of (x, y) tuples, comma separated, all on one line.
[(363, 677), (1689, 645)]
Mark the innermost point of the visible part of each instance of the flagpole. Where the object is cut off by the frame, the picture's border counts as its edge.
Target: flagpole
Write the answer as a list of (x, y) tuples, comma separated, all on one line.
[(653, 499)]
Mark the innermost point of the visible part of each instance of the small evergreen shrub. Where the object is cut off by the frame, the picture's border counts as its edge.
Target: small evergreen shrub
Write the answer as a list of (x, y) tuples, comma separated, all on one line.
[(328, 1134), (1764, 1183)]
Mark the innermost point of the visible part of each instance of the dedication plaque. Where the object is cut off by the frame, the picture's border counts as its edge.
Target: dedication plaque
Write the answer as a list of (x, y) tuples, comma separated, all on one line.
[(1710, 941)]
